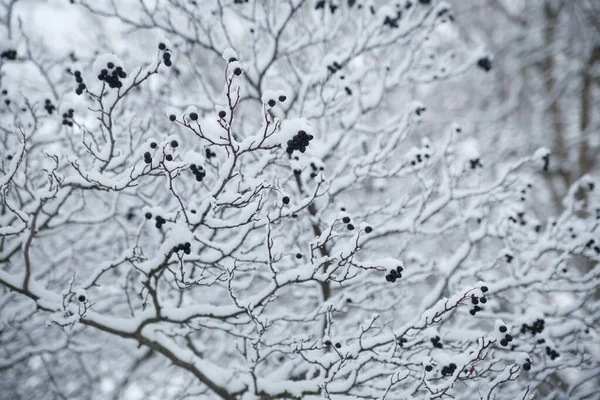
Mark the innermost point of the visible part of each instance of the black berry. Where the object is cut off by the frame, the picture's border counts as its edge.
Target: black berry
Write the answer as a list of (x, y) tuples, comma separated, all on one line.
[(346, 220), (148, 215), (484, 289), (285, 200), (193, 116), (222, 114), (502, 328), (172, 117), (81, 298), (169, 157), (368, 229), (162, 46), (174, 143)]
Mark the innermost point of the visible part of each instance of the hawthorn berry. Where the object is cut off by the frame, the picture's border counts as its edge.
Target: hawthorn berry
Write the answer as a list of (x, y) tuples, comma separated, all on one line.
[(298, 256), (285, 200), (484, 289), (428, 368), (504, 342), (175, 249), (81, 298), (472, 312), (193, 116), (169, 157), (174, 143), (328, 343), (508, 337), (237, 71), (338, 345), (502, 328), (346, 220), (526, 366), (110, 65), (153, 145), (232, 59), (162, 46), (222, 114), (282, 98), (168, 63), (368, 229), (148, 215), (272, 103), (187, 250), (482, 300), (172, 117), (350, 227), (474, 300)]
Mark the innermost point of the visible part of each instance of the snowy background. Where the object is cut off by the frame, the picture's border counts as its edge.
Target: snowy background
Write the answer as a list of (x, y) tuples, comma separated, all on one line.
[(349, 199)]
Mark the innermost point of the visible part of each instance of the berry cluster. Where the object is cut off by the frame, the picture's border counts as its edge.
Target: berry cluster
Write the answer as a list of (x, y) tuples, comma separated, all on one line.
[(484, 63), (520, 219), (553, 354), (148, 157), (68, 117), (209, 153), (185, 247), (401, 341), (80, 85), (535, 328), (507, 337), (337, 345), (299, 142), (449, 369), (347, 220), (9, 54), (272, 102), (166, 54), (590, 243), (527, 365), (475, 163), (436, 342), (198, 172), (160, 221), (335, 67), (392, 22), (112, 78), (394, 274), (314, 168), (476, 300), (49, 106)]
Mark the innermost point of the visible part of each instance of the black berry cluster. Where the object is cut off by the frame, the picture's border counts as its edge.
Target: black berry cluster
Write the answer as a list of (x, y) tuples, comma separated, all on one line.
[(50, 108), (332, 7), (484, 63), (535, 328), (80, 85), (68, 117), (520, 219), (475, 163), (299, 142), (198, 172), (273, 102), (315, 170), (553, 354), (185, 247), (166, 55), (148, 157), (507, 337), (449, 369), (112, 75), (527, 365), (335, 67), (394, 274), (436, 342), (392, 22), (401, 341), (478, 300), (590, 244), (9, 54), (160, 221)]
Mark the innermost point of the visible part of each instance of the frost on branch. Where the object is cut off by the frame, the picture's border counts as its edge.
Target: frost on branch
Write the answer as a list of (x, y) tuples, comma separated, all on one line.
[(314, 214)]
